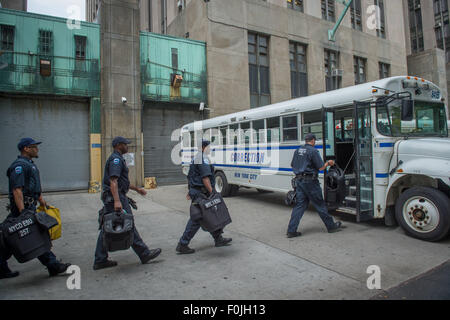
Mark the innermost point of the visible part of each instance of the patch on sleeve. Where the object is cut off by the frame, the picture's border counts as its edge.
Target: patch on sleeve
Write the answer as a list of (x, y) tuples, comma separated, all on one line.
[(19, 169), (116, 161), (206, 160)]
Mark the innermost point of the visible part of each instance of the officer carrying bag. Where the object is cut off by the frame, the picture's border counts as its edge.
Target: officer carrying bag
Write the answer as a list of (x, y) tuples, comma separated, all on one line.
[(24, 236), (215, 213), (118, 233)]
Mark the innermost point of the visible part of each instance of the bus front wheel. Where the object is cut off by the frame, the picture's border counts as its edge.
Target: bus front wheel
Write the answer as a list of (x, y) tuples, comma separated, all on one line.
[(423, 213), (221, 184)]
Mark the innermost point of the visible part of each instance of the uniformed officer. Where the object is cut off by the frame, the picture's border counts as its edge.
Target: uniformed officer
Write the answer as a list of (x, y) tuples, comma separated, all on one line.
[(201, 182), (24, 192), (115, 187), (306, 165)]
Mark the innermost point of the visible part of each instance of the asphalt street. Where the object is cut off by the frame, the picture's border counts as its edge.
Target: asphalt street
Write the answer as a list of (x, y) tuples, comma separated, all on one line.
[(260, 264)]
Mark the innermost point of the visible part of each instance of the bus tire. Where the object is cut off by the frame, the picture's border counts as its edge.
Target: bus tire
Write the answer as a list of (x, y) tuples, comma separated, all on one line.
[(423, 213), (234, 188), (221, 184)]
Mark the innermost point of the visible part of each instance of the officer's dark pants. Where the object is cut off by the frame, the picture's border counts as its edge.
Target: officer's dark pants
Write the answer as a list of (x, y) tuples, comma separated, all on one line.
[(48, 259), (308, 190), (194, 225), (139, 247)]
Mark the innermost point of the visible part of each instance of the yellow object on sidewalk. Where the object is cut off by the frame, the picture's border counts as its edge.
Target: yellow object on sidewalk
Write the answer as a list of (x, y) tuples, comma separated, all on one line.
[(55, 232)]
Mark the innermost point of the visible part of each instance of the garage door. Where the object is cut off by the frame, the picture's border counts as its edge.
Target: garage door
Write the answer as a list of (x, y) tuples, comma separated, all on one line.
[(63, 128), (159, 121)]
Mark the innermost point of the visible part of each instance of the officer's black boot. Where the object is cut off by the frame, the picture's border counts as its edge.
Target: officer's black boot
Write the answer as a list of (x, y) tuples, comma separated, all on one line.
[(337, 227), (57, 268), (152, 255), (105, 264), (184, 249), (221, 241), (6, 273)]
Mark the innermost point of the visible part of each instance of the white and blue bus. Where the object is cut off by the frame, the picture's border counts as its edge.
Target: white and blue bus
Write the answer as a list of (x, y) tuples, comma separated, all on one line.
[(389, 137)]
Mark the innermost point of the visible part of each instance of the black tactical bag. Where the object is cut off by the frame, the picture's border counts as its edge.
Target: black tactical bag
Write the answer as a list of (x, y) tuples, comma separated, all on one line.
[(215, 213), (118, 231), (24, 237)]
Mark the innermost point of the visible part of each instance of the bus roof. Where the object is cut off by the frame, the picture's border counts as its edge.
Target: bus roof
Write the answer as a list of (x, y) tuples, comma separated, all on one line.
[(339, 97)]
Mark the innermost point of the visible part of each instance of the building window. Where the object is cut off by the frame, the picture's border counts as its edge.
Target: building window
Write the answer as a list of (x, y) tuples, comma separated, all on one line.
[(333, 75), (295, 4), (328, 10), (80, 47), (175, 59), (7, 38), (442, 27), (299, 76), (415, 25), (385, 70), (355, 12), (381, 31), (45, 42), (258, 58), (359, 66), (163, 16)]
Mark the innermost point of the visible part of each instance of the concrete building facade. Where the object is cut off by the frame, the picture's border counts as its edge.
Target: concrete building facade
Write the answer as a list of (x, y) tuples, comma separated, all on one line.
[(428, 41), (290, 54)]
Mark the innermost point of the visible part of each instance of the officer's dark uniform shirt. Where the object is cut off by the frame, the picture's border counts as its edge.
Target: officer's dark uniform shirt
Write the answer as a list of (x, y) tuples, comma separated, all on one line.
[(116, 167), (24, 174), (306, 160), (199, 169)]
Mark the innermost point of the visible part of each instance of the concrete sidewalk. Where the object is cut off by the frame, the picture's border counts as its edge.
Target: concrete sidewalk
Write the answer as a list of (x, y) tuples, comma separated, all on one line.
[(261, 263)]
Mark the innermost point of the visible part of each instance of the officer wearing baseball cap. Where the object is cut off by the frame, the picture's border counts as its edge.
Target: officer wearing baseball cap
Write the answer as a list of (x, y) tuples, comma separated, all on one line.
[(201, 183), (24, 193), (306, 164), (115, 187)]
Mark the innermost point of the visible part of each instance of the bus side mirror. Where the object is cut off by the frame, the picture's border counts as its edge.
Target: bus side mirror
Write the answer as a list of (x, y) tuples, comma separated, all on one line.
[(407, 110)]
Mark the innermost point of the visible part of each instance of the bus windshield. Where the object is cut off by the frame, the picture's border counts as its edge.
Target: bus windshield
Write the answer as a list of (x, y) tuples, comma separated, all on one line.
[(429, 119)]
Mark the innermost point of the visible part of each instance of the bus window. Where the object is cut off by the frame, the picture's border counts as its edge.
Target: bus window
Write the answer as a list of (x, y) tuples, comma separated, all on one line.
[(258, 131), (312, 123), (223, 135), (273, 130), (215, 136), (245, 133), (290, 128), (233, 134), (192, 139), (186, 140)]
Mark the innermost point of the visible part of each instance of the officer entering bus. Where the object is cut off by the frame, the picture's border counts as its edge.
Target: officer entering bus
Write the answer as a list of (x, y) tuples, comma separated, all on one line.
[(24, 193), (306, 165)]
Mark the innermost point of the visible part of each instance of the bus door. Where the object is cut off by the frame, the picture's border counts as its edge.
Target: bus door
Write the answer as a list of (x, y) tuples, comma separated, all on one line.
[(329, 151), (364, 168)]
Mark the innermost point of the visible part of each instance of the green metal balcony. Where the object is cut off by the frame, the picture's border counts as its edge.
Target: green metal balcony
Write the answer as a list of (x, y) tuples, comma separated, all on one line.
[(21, 73)]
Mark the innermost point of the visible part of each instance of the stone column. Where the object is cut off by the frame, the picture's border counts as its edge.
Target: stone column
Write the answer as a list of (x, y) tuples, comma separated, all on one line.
[(120, 77)]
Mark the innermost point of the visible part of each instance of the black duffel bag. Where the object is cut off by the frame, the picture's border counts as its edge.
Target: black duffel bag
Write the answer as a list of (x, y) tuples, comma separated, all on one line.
[(215, 213), (118, 231), (24, 237)]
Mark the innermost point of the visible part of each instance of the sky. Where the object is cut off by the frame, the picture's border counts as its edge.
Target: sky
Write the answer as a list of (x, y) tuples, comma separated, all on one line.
[(74, 9)]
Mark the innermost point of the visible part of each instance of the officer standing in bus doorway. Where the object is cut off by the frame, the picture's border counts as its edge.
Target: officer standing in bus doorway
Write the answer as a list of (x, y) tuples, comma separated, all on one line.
[(24, 193), (200, 181), (115, 187), (306, 165)]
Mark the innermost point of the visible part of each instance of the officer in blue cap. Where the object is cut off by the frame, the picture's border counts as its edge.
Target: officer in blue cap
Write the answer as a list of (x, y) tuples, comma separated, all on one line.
[(200, 181), (306, 164), (115, 187), (24, 193)]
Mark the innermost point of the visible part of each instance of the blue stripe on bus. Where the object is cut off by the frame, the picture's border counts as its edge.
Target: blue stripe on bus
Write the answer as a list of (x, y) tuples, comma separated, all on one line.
[(251, 167), (382, 175), (387, 145), (257, 148)]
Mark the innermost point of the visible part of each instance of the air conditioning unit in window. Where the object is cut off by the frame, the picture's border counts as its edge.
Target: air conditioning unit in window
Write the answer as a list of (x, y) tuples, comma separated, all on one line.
[(337, 73)]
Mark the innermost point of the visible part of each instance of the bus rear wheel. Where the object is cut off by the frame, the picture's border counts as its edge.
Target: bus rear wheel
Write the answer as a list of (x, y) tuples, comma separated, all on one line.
[(423, 213)]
